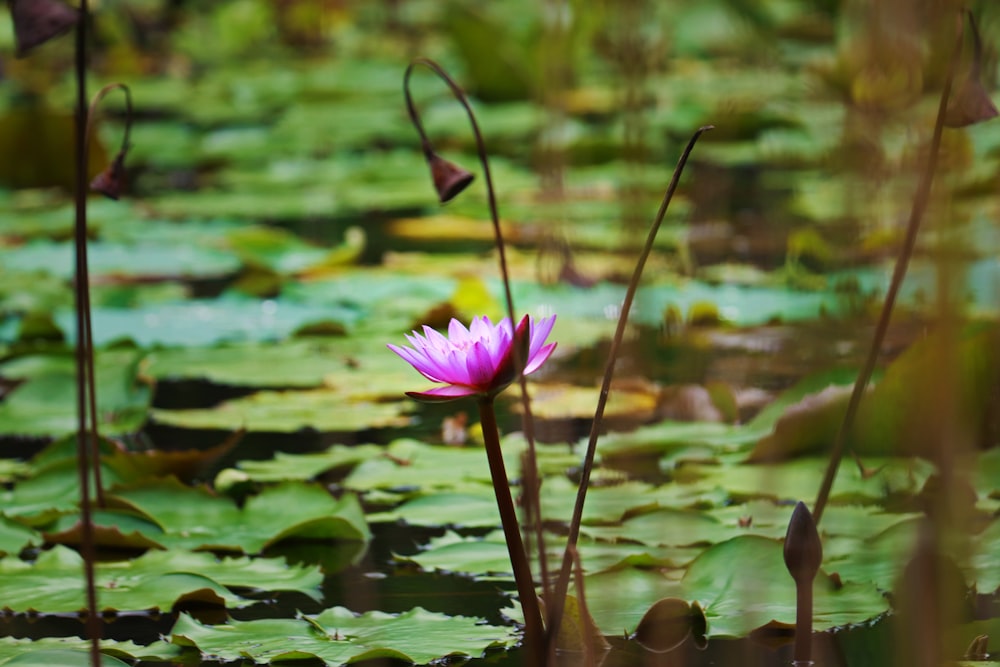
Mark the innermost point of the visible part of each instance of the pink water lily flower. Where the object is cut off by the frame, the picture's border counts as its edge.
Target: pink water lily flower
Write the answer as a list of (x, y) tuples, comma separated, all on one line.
[(477, 361)]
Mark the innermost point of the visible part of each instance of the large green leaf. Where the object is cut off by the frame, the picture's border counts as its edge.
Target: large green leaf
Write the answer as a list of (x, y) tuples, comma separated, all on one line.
[(52, 492), (45, 403), (42, 650), (338, 635), (146, 261), (739, 599), (324, 410), (354, 366), (53, 584), (487, 556), (241, 573), (54, 657), (205, 321), (192, 518), (15, 536)]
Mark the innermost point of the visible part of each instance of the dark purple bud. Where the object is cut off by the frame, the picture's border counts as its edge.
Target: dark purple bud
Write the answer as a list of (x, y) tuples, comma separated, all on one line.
[(111, 181), (38, 21), (803, 549), (449, 178)]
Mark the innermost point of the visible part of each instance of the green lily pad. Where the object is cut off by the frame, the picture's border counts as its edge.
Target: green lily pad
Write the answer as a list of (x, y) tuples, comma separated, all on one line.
[(52, 492), (618, 599), (14, 537), (204, 322), (41, 650), (193, 518), (799, 479), (108, 260), (411, 464), (240, 573), (338, 635), (469, 510), (52, 584), (323, 410), (45, 403), (54, 657), (355, 365), (487, 557), (288, 467), (983, 562), (740, 599)]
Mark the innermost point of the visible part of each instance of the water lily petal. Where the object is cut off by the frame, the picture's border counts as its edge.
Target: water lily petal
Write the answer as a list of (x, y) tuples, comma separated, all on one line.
[(477, 360), (540, 330), (480, 366), (539, 358), (422, 364), (442, 394)]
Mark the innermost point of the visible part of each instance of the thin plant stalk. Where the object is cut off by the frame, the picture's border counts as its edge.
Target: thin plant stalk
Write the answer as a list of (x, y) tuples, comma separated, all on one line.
[(83, 344), (534, 637), (587, 639), (562, 582), (531, 473), (86, 336), (917, 211)]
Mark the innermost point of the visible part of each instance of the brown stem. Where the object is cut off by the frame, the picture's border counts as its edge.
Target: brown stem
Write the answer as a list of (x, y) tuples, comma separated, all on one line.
[(84, 349), (562, 582), (534, 639), (92, 111), (528, 424), (803, 620), (83, 278), (916, 215)]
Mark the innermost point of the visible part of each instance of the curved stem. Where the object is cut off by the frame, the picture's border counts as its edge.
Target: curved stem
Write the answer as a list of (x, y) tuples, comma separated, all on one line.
[(92, 111), (84, 279), (534, 644), (84, 348), (562, 582), (899, 272), (535, 519)]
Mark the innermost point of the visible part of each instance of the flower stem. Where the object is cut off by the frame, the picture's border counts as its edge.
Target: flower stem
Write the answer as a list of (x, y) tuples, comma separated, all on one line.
[(562, 582), (527, 420), (84, 343), (899, 272), (534, 645)]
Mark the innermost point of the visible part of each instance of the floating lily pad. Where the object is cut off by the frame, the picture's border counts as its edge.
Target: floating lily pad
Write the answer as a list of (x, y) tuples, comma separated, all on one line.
[(107, 260), (45, 403), (55, 657), (54, 651), (53, 584), (354, 366), (14, 537), (287, 467), (737, 600), (204, 322), (487, 557), (338, 635), (322, 410), (196, 519), (52, 492), (411, 464)]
